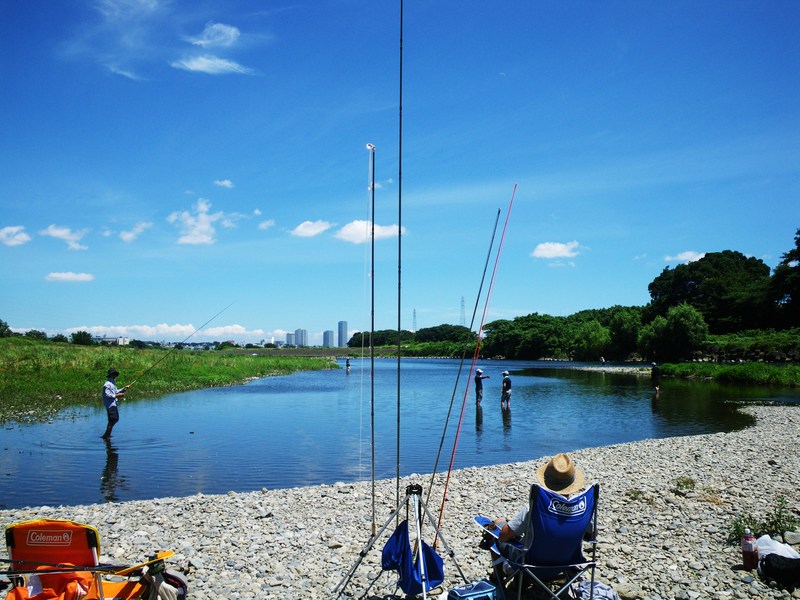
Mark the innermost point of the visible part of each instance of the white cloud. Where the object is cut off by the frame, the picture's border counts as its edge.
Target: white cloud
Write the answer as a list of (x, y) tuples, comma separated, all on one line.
[(556, 250), (138, 229), (266, 224), (213, 65), (230, 331), (176, 332), (686, 256), (127, 10), (216, 34), (14, 236), (226, 183), (65, 233), (69, 276), (311, 229), (358, 232), (125, 73), (257, 212), (197, 228)]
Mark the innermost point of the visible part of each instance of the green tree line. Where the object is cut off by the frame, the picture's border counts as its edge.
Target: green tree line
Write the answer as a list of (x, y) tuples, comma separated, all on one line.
[(723, 306)]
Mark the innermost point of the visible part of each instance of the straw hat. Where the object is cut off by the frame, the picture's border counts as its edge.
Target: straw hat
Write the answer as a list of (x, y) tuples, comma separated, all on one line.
[(560, 475)]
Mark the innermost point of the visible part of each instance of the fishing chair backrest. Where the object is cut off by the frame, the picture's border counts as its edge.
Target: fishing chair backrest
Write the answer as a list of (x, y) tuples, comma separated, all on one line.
[(557, 527), (50, 542)]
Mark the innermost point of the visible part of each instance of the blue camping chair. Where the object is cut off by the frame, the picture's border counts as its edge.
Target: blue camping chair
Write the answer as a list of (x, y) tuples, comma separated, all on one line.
[(551, 547)]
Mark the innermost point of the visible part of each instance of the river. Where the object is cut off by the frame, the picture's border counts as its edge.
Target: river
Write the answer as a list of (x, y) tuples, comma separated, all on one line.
[(316, 427)]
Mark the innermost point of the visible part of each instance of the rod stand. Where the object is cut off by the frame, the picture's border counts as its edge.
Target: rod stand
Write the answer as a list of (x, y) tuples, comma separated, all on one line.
[(413, 495)]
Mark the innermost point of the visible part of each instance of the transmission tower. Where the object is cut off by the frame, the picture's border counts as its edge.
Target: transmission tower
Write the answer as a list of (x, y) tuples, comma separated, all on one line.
[(463, 313), (414, 325)]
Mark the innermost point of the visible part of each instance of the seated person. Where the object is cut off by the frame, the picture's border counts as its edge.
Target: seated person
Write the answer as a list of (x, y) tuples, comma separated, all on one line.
[(559, 475)]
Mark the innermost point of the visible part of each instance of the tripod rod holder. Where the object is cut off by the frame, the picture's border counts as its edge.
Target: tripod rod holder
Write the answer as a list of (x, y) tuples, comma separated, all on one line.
[(414, 489)]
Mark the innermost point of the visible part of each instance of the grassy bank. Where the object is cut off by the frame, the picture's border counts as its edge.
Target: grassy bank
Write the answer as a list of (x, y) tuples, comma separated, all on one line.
[(39, 378), (756, 373)]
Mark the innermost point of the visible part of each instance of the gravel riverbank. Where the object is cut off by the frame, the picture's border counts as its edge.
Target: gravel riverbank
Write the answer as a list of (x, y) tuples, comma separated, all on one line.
[(657, 541)]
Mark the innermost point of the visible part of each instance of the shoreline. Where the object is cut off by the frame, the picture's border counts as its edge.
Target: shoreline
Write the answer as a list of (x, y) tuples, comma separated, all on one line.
[(656, 541)]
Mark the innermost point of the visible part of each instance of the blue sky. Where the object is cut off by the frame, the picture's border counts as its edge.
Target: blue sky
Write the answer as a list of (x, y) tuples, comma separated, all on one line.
[(162, 160)]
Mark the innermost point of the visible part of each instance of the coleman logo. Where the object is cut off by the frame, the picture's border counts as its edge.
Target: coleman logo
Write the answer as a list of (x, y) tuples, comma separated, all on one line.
[(42, 537), (567, 509)]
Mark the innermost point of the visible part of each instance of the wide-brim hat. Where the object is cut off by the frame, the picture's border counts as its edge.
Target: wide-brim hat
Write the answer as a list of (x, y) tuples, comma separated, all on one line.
[(112, 372), (504, 373), (479, 370), (560, 475)]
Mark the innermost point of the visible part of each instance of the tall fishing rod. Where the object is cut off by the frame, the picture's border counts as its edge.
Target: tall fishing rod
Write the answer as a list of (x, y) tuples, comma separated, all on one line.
[(371, 149), (399, 248), (464, 354), (176, 346), (483, 319)]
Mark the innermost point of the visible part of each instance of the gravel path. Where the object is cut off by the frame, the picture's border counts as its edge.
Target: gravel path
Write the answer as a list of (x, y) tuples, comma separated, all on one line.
[(657, 541)]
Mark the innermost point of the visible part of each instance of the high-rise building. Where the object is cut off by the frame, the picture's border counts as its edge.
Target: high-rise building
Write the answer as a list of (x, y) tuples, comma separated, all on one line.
[(290, 339), (343, 339), (327, 338), (301, 338)]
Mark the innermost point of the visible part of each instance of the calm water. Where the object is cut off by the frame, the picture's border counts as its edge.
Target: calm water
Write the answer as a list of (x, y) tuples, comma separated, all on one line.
[(312, 428)]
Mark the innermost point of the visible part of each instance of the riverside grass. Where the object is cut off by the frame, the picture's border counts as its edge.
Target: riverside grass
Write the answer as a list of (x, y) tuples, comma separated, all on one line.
[(40, 378), (755, 373)]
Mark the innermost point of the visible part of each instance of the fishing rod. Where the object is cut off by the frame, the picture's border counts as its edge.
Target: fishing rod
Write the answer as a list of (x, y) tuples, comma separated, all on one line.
[(483, 319), (399, 249), (57, 567), (176, 346), (371, 150), (463, 356)]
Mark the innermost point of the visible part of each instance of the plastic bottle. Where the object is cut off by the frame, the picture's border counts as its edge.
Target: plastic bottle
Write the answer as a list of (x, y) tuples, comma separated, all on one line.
[(749, 551)]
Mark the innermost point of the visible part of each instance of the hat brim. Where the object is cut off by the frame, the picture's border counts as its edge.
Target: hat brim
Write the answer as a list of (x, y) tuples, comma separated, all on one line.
[(577, 482)]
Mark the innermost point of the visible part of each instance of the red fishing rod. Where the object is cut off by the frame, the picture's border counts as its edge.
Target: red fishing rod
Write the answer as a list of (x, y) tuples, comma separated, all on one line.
[(463, 356), (476, 353)]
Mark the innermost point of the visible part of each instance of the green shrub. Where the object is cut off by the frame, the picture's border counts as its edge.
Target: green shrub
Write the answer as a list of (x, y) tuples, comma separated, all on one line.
[(775, 523)]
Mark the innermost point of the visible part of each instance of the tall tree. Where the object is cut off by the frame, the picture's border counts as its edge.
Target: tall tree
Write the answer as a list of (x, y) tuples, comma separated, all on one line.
[(81, 338), (785, 287), (624, 331), (728, 288)]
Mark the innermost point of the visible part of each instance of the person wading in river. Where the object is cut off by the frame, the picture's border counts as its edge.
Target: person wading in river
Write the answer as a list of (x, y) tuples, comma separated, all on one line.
[(505, 396), (479, 377), (111, 394)]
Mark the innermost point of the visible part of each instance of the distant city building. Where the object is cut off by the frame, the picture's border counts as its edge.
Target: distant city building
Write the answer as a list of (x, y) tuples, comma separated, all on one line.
[(327, 338), (290, 339), (301, 338), (343, 334), (111, 341)]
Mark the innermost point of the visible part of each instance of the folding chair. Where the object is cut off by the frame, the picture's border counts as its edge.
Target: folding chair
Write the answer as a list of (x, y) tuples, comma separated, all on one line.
[(62, 556), (551, 551)]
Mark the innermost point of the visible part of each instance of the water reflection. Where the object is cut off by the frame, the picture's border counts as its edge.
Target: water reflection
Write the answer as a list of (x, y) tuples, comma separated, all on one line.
[(110, 479), (478, 418), (506, 412)]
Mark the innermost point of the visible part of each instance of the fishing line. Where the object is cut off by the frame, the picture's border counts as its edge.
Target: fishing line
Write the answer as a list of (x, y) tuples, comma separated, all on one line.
[(483, 319), (176, 346)]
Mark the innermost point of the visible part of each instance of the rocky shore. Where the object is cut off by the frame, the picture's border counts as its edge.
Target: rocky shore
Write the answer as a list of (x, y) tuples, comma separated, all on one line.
[(666, 508)]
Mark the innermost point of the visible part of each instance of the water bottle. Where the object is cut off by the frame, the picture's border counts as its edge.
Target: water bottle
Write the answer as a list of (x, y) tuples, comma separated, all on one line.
[(749, 551)]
